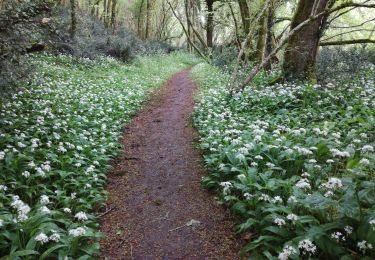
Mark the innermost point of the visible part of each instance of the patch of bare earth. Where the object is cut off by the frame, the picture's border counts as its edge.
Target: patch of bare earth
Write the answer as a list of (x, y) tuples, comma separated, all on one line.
[(155, 191)]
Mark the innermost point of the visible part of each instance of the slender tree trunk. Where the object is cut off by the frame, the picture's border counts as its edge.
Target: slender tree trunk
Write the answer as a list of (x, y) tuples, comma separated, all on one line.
[(210, 23), (269, 40), (148, 18), (262, 37), (73, 27), (113, 15), (245, 15), (108, 13), (104, 11), (302, 47), (187, 13), (140, 21), (238, 40)]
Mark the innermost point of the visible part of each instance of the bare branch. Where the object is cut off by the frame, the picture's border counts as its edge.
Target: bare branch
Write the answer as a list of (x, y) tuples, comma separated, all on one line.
[(187, 35), (357, 41)]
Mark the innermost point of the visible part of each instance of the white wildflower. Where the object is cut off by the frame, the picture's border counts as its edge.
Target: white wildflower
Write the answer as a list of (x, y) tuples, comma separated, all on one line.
[(303, 184), (45, 210), (307, 247), (364, 245), (277, 199), (292, 217), (279, 221), (80, 231), (81, 216), (226, 187), (42, 238), (348, 230), (364, 161), (287, 252), (44, 200), (55, 237), (367, 148)]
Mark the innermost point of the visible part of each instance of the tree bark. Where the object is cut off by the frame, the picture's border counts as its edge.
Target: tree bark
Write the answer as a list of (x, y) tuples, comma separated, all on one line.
[(140, 21), (269, 40), (148, 18), (210, 23), (302, 47), (113, 15), (262, 37), (245, 15), (73, 26)]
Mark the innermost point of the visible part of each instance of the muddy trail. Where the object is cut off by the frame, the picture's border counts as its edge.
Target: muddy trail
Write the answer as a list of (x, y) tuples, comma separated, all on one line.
[(159, 208)]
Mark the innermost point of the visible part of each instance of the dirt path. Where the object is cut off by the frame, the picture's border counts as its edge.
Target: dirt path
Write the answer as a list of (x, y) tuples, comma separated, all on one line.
[(155, 187)]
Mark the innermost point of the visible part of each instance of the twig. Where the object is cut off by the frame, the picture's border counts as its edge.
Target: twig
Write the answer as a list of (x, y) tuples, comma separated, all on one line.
[(131, 251), (106, 212), (173, 229)]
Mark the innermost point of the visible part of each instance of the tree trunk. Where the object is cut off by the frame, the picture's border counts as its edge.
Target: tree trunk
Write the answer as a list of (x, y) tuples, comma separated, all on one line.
[(113, 15), (148, 18), (187, 13), (210, 23), (73, 27), (262, 37), (140, 21), (302, 47), (269, 40), (245, 15)]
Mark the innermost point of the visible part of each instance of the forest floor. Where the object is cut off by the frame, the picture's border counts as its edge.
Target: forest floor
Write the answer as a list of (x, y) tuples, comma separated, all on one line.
[(159, 209)]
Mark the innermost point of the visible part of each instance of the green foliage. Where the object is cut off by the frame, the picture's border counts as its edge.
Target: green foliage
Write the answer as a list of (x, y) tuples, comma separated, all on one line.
[(295, 161), (56, 140)]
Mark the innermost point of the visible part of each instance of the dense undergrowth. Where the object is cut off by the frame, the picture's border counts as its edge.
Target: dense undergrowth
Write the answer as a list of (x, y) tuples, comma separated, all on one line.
[(295, 161), (57, 137)]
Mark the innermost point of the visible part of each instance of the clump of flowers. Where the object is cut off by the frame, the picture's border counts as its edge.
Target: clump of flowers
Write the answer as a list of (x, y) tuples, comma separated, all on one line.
[(299, 159)]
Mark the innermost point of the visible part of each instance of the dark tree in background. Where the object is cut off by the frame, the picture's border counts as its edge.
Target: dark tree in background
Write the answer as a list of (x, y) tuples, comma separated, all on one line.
[(302, 47)]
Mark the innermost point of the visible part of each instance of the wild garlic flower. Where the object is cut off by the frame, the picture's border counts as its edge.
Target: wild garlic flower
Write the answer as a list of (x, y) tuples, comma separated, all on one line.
[(42, 238), (333, 183), (81, 216), (2, 155), (287, 252), (22, 208), (55, 237), (364, 246), (364, 161), (279, 221), (292, 217), (277, 199), (44, 200), (80, 231), (303, 184), (338, 236), (348, 230), (307, 247), (367, 148), (45, 210), (226, 186)]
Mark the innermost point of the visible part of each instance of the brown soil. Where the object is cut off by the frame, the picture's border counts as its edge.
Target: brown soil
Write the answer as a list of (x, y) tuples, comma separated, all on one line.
[(155, 188)]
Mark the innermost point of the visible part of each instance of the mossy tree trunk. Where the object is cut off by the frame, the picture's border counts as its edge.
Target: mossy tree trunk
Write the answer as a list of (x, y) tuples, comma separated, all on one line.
[(302, 47), (148, 18), (262, 37), (210, 23), (73, 26), (245, 15)]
